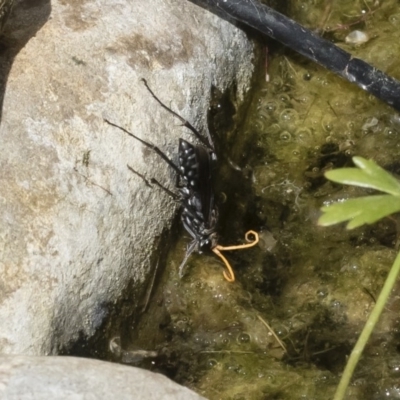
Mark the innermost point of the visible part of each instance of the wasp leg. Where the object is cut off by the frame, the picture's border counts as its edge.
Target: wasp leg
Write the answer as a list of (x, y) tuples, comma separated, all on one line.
[(149, 145), (166, 190), (185, 123), (173, 195), (140, 176), (189, 251)]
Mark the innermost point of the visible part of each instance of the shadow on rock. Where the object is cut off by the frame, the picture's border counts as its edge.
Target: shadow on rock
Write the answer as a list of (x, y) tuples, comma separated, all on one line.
[(25, 20)]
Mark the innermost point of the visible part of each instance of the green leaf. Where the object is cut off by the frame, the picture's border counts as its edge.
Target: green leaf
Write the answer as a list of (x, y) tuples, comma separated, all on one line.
[(360, 211), (368, 175)]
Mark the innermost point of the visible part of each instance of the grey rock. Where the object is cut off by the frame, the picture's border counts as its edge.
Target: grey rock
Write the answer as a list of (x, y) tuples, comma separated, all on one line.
[(76, 226), (69, 378)]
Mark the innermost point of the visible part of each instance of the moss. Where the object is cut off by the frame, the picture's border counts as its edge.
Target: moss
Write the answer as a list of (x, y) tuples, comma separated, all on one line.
[(314, 286)]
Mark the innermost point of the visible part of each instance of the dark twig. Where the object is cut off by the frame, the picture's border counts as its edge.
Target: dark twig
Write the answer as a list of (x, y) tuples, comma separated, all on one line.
[(290, 33), (91, 182)]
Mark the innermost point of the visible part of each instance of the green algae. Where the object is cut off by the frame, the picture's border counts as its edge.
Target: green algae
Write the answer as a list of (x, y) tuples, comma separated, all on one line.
[(314, 286)]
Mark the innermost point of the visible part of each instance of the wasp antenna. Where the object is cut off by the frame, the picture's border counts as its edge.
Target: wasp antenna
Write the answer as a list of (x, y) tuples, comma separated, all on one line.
[(230, 276), (242, 246)]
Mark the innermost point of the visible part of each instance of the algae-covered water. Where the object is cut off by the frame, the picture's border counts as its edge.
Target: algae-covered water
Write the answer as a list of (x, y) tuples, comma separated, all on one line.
[(313, 287)]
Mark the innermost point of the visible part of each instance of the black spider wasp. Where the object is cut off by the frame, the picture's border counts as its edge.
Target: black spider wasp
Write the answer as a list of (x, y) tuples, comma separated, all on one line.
[(196, 196)]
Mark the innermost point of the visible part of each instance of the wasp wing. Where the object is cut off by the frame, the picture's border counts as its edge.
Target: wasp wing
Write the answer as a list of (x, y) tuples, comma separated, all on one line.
[(196, 166), (205, 185)]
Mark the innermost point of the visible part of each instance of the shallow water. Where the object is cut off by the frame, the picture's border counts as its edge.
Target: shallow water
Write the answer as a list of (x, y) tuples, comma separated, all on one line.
[(313, 286)]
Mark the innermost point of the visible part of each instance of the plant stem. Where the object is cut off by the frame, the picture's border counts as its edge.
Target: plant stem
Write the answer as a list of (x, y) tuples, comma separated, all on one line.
[(368, 328)]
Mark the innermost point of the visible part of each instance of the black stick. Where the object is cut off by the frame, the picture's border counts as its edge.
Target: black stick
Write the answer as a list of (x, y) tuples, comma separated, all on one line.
[(290, 33)]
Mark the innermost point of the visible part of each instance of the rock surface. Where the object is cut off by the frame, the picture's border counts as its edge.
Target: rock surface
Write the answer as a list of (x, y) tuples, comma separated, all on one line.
[(43, 378), (76, 226)]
